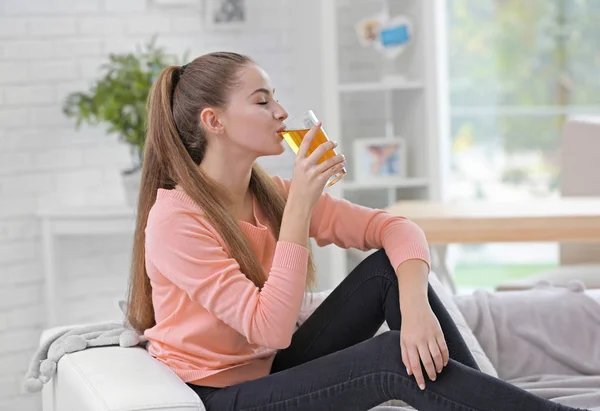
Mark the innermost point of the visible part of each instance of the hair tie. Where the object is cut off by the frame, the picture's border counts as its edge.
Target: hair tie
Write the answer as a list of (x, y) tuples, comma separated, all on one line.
[(182, 69)]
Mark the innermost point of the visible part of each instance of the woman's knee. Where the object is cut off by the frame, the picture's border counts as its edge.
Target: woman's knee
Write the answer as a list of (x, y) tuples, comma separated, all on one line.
[(388, 343), (377, 264), (379, 257), (389, 339)]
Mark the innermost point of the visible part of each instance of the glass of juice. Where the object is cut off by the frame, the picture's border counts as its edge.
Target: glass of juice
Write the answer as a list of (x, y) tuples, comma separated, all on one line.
[(295, 130)]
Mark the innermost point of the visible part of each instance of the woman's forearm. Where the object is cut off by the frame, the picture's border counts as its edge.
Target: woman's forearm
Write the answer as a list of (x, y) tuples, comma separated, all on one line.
[(413, 278)]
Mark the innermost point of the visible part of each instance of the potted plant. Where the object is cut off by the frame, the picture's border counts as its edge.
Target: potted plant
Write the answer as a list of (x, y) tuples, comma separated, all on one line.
[(118, 99)]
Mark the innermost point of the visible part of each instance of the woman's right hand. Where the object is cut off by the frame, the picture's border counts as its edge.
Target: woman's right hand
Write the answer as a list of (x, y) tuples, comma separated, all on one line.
[(309, 177)]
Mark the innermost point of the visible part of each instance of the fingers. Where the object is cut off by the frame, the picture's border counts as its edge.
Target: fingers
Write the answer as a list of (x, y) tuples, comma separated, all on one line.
[(333, 171), (320, 151), (427, 360), (331, 162), (308, 138), (405, 359), (430, 355), (441, 342), (436, 355), (415, 366)]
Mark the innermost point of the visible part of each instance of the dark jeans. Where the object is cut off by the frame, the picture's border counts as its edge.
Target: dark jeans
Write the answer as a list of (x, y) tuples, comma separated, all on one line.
[(335, 363)]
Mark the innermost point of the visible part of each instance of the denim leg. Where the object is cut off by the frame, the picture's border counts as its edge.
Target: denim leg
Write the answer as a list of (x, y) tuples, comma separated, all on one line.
[(365, 375), (355, 310)]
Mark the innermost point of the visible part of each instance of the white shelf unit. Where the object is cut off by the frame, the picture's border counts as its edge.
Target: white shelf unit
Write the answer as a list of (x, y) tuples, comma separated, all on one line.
[(361, 101)]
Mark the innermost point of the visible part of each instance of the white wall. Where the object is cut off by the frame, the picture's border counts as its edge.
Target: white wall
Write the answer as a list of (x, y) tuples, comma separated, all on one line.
[(51, 47)]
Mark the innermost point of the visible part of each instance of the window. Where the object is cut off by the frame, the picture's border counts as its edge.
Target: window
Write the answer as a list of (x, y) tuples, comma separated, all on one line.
[(517, 69)]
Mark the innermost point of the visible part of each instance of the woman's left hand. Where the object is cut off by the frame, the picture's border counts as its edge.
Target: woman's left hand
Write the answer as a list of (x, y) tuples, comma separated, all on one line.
[(422, 341)]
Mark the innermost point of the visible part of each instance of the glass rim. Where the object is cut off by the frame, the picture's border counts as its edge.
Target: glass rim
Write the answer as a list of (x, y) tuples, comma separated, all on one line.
[(298, 116)]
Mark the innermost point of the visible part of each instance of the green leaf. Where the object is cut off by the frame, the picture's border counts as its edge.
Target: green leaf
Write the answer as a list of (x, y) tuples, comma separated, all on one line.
[(118, 98)]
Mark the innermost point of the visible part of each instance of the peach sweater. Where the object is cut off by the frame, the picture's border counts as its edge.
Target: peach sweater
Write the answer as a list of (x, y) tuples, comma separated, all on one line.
[(214, 327)]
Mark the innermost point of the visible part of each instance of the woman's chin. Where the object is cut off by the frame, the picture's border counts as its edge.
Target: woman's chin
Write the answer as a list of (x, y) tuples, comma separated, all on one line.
[(277, 150)]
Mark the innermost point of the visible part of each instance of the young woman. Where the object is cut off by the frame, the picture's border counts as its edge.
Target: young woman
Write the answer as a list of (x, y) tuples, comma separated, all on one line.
[(221, 263)]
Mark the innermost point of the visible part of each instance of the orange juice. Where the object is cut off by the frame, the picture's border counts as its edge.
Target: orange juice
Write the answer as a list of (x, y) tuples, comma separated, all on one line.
[(294, 138)]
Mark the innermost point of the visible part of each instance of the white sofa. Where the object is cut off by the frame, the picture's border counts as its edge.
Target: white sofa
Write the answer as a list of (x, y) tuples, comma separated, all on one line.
[(128, 379)]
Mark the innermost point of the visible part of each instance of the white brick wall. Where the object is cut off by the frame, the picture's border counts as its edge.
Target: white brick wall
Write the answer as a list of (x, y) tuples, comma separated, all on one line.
[(51, 47)]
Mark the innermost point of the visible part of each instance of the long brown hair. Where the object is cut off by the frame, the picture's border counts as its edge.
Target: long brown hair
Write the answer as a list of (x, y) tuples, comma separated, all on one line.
[(175, 146)]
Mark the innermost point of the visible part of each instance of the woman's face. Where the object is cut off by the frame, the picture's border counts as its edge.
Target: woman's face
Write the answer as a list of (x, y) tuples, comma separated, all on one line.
[(253, 118)]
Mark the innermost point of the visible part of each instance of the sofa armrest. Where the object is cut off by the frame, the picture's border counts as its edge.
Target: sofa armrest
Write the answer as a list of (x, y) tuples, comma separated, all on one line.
[(116, 379)]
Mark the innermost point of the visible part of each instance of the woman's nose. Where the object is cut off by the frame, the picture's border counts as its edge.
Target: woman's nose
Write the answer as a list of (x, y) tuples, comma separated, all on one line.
[(280, 113)]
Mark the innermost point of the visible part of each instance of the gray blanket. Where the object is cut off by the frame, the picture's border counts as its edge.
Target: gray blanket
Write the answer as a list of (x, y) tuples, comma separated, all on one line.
[(545, 340)]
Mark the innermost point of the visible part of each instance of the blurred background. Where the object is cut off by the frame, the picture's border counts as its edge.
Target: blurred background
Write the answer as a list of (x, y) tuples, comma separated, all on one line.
[(477, 91)]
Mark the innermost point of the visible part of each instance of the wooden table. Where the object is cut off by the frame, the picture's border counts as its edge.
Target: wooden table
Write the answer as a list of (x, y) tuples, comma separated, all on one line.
[(566, 219)]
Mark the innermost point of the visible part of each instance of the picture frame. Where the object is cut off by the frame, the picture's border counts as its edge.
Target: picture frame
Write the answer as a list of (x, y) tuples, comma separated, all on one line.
[(388, 35), (225, 14), (379, 159)]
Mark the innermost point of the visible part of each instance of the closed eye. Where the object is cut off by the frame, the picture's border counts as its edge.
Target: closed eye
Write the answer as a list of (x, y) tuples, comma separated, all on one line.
[(264, 103)]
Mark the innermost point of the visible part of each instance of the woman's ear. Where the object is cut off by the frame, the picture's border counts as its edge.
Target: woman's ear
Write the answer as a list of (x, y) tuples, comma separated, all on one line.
[(210, 121)]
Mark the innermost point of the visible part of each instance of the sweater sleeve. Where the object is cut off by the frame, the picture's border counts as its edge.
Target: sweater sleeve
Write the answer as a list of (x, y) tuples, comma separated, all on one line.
[(350, 225), (185, 250)]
